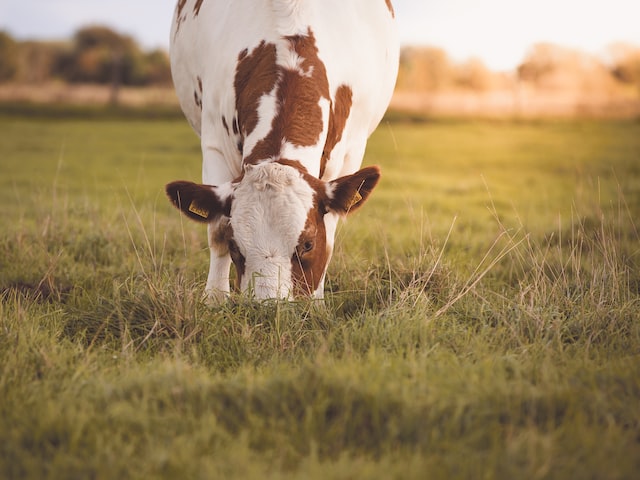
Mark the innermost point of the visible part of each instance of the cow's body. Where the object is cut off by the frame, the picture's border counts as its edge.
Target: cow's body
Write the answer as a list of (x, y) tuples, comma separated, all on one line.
[(284, 94)]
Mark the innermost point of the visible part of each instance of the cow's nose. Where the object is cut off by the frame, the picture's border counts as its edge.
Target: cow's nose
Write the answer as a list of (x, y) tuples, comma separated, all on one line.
[(265, 288), (269, 292)]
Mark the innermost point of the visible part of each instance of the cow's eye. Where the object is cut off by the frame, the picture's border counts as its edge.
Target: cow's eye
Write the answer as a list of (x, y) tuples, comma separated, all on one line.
[(305, 247)]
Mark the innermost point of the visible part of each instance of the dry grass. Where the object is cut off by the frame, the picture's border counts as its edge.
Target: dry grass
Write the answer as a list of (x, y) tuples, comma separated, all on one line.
[(520, 102), (83, 94), (511, 102)]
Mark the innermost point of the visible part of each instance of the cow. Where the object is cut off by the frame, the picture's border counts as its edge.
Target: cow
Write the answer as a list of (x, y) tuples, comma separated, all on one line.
[(284, 95)]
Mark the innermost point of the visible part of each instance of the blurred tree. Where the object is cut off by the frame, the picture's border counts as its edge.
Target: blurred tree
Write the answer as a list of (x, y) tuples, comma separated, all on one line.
[(552, 67), (626, 63), (97, 36), (541, 60), (8, 57), (158, 67), (38, 61), (474, 75), (100, 55), (95, 55), (424, 68)]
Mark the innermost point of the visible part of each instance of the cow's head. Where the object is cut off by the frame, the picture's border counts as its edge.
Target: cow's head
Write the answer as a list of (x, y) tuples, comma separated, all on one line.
[(278, 223)]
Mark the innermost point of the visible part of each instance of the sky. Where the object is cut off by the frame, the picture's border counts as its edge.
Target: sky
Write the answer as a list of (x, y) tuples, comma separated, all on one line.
[(498, 32)]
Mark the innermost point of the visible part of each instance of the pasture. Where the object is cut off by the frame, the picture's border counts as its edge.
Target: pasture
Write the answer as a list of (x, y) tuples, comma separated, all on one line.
[(481, 321)]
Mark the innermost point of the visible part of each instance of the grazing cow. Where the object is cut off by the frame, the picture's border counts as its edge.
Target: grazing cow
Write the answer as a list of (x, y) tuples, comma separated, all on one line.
[(284, 95)]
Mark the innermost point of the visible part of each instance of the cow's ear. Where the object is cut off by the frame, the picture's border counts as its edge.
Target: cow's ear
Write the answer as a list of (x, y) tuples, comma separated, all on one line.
[(349, 193), (202, 203)]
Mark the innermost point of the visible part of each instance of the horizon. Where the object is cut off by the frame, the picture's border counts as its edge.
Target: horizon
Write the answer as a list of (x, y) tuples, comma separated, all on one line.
[(498, 32)]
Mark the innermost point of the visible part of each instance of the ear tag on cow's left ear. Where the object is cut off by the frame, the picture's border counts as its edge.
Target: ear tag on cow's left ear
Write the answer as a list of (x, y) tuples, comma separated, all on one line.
[(195, 208), (354, 200)]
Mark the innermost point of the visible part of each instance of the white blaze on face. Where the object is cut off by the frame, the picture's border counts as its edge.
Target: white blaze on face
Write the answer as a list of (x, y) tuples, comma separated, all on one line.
[(268, 214)]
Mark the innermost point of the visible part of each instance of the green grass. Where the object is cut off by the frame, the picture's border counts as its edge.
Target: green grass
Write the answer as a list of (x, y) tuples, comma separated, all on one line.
[(481, 321)]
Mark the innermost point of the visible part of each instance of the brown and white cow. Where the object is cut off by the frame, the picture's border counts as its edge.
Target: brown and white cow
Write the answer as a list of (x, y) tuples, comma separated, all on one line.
[(284, 95)]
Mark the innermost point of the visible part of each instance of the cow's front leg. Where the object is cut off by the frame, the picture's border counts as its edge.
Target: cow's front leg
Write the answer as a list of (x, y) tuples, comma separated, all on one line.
[(217, 289)]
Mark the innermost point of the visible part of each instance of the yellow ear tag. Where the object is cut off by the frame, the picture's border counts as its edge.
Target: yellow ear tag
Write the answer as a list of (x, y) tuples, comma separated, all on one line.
[(354, 200), (195, 208)]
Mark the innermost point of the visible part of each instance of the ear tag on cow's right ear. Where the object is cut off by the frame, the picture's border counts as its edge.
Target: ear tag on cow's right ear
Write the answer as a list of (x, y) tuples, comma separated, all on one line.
[(195, 208), (354, 200)]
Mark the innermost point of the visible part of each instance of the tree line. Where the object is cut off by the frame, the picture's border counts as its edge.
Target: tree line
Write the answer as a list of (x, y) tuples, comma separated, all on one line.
[(546, 66), (95, 54)]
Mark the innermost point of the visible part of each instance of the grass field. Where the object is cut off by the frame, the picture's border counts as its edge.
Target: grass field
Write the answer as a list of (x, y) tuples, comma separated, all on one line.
[(482, 317)]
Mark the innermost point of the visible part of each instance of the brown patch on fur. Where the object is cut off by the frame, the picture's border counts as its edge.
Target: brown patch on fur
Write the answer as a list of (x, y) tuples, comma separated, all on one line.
[(309, 261), (223, 234), (390, 7), (179, 17), (239, 262), (337, 121), (181, 4), (225, 125), (197, 94), (299, 91), (305, 47), (299, 95), (256, 76), (196, 8), (223, 237)]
